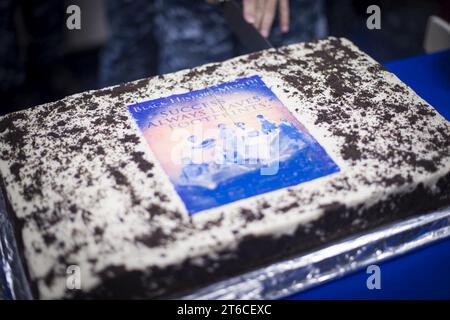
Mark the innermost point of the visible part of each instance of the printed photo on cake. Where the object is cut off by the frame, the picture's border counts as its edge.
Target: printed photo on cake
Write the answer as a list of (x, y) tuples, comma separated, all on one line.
[(229, 142)]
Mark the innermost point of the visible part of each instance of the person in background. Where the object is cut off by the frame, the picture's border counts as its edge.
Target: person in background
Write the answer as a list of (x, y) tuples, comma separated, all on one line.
[(194, 32), (30, 51)]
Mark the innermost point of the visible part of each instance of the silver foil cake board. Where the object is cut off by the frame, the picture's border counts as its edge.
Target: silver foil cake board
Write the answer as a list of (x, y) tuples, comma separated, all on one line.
[(13, 281), (296, 274), (280, 279)]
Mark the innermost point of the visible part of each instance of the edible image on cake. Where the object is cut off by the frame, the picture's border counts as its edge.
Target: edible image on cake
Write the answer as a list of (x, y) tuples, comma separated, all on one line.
[(229, 142)]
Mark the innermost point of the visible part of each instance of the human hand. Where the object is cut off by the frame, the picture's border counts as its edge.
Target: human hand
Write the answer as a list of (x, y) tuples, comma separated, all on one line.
[(261, 14)]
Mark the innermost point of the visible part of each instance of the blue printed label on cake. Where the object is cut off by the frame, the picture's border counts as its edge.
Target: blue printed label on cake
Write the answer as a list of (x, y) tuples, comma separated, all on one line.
[(229, 142)]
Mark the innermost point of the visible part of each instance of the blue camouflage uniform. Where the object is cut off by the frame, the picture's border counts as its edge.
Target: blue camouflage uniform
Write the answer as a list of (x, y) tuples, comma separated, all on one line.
[(192, 32), (130, 52), (178, 34)]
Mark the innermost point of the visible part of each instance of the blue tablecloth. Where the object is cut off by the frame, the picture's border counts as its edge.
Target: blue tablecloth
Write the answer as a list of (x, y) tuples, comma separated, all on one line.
[(423, 273)]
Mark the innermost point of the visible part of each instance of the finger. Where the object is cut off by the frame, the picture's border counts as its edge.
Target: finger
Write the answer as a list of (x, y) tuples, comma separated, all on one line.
[(249, 10), (259, 13), (284, 15), (269, 15)]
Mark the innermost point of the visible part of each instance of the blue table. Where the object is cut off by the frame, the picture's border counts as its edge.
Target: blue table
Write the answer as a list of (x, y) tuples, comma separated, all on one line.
[(423, 273)]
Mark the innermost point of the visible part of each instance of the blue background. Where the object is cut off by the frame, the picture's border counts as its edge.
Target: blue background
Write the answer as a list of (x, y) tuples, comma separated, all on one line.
[(422, 273)]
